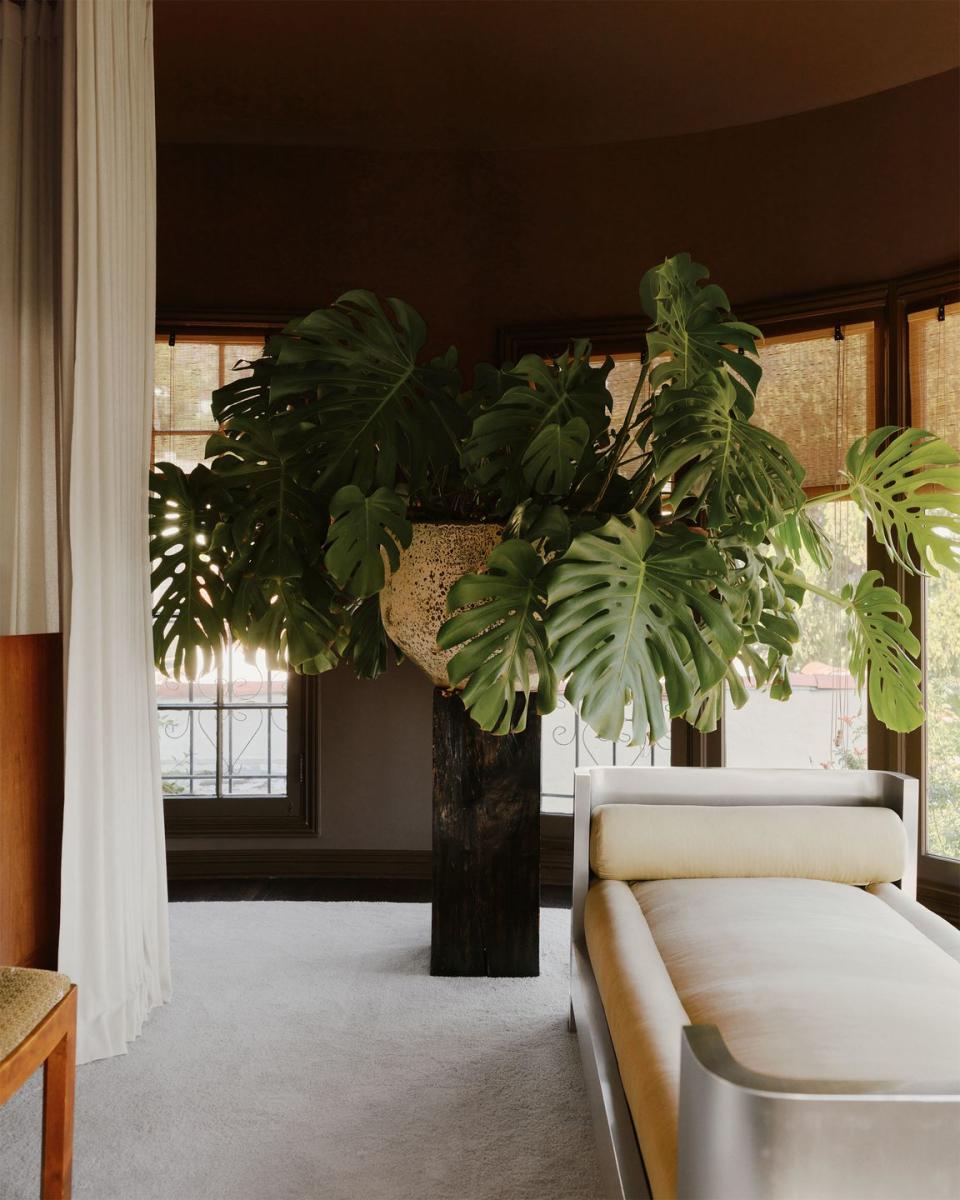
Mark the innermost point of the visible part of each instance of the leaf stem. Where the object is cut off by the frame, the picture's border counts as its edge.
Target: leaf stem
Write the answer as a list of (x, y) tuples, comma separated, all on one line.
[(829, 498), (621, 438), (799, 581)]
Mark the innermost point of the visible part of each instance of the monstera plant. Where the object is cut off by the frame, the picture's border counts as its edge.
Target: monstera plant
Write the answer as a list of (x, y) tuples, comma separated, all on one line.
[(648, 557)]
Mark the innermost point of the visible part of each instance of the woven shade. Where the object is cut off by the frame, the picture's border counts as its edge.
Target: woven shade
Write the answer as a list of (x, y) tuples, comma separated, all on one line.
[(620, 384), (935, 372), (184, 377), (817, 394)]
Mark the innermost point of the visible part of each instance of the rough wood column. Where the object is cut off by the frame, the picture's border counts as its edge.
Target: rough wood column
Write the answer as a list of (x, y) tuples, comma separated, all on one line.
[(486, 846)]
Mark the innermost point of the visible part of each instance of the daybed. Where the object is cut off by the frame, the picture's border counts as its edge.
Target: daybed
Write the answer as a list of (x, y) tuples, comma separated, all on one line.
[(764, 1010)]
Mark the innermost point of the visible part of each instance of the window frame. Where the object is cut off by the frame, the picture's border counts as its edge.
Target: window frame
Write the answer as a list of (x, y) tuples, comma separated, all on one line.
[(938, 878), (887, 304), (295, 813)]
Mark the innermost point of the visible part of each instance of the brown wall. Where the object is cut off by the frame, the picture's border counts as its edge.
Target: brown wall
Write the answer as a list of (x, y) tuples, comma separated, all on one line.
[(31, 798), (852, 194)]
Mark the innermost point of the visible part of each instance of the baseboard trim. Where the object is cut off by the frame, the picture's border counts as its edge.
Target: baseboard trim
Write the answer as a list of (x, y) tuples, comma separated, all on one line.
[(269, 863), (556, 863), (945, 902), (556, 860)]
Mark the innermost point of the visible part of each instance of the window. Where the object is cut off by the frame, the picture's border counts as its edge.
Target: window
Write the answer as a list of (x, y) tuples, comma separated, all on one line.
[(232, 744), (225, 734), (934, 369), (817, 393)]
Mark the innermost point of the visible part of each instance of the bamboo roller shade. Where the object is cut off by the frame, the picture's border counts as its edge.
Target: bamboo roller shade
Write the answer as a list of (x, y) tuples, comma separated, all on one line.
[(935, 372)]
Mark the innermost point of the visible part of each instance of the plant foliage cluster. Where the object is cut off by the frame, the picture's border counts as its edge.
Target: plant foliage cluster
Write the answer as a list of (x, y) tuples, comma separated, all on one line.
[(655, 558)]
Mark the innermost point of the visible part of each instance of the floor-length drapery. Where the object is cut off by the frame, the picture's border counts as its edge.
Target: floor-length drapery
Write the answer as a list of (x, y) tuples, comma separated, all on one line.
[(77, 284), (113, 931), (29, 308)]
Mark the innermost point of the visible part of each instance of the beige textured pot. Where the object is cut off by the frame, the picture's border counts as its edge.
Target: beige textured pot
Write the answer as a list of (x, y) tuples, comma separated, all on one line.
[(413, 601)]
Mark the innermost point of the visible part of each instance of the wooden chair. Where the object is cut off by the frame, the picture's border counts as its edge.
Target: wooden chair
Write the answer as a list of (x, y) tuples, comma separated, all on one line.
[(38, 1024)]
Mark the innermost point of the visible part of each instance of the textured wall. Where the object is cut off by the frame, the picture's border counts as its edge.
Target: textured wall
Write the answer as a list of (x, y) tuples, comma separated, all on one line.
[(846, 195)]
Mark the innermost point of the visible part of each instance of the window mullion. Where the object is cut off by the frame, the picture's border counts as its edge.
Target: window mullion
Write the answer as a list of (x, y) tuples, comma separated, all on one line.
[(220, 731)]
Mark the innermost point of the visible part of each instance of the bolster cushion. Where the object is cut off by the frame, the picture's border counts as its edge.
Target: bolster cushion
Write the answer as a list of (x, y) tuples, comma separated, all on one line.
[(843, 844)]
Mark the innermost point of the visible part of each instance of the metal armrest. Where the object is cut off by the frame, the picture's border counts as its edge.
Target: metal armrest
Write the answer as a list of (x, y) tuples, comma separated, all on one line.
[(749, 1136)]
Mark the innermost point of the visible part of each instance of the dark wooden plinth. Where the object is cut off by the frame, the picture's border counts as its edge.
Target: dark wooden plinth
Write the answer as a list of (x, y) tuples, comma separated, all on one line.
[(486, 846)]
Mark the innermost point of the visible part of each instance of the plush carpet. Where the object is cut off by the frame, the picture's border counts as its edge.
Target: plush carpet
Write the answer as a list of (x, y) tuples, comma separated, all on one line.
[(308, 1054)]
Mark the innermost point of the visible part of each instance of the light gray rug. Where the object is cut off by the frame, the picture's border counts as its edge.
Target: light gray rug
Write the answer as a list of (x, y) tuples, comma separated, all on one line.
[(308, 1054)]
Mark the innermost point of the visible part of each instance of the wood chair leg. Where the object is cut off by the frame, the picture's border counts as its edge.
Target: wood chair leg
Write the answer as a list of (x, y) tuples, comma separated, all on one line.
[(59, 1082)]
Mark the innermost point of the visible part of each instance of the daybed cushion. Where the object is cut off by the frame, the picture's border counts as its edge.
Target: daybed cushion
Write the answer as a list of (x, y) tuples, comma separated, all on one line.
[(946, 936), (646, 1020), (804, 978), (841, 843)]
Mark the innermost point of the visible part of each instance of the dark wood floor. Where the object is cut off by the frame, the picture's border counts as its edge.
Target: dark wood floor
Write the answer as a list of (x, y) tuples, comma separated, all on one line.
[(402, 890)]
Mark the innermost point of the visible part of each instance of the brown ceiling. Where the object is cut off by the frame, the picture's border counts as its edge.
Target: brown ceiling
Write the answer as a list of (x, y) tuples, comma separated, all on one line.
[(478, 74)]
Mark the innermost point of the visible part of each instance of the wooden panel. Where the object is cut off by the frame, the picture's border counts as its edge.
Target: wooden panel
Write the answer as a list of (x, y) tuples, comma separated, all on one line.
[(486, 846), (31, 798)]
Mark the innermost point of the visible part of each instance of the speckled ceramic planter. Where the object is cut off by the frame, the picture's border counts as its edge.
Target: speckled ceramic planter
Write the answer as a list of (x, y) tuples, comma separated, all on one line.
[(414, 599)]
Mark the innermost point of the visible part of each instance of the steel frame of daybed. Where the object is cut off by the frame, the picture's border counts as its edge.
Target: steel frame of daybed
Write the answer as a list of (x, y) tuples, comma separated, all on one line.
[(742, 1135)]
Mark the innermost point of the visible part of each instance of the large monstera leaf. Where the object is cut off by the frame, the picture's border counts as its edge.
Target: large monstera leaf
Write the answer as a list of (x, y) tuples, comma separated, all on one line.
[(532, 435), (275, 520), (630, 607), (765, 608), (364, 529), (189, 614), (882, 647), (296, 620), (367, 645), (249, 395), (551, 458), (907, 482), (373, 409), (692, 330), (798, 535), (743, 478), (500, 632)]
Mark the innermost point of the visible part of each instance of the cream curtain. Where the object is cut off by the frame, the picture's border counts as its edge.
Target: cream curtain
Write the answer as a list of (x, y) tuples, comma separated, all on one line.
[(29, 213), (84, 323), (113, 925)]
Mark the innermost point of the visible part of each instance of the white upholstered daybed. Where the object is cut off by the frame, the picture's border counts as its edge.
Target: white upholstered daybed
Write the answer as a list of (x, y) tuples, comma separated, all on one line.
[(764, 1010)]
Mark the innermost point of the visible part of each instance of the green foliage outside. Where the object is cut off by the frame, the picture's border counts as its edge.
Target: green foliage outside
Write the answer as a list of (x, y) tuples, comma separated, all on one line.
[(943, 715)]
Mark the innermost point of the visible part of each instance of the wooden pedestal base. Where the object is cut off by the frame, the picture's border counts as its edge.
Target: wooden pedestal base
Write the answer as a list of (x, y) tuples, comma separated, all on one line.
[(486, 846)]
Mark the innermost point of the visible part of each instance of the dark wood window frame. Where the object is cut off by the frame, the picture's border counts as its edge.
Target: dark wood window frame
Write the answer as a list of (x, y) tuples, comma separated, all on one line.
[(887, 305), (297, 812)]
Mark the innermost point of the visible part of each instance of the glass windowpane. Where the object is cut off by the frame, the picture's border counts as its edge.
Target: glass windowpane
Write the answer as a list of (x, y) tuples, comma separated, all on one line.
[(824, 723), (251, 682), (567, 742), (188, 751), (942, 679), (254, 747)]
